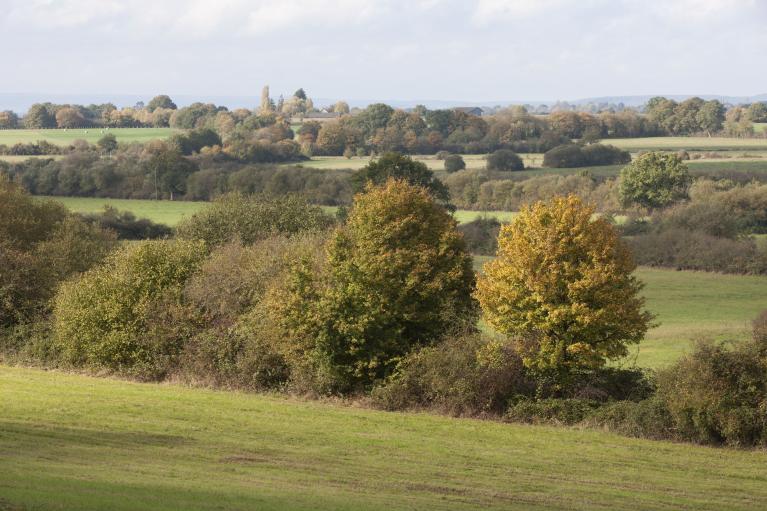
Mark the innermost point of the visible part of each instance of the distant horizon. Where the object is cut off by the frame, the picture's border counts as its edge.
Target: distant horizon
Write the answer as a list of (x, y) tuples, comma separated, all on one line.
[(250, 101)]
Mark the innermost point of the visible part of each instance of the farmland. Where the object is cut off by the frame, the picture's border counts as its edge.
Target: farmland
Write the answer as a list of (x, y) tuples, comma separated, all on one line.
[(91, 135), (77, 442)]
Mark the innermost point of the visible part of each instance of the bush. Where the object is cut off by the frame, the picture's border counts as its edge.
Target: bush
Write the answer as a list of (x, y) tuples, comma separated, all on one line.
[(118, 315), (592, 155), (252, 218), (551, 411), (682, 249), (718, 395), (462, 375), (655, 180), (127, 226), (649, 418), (454, 163), (504, 160), (481, 235)]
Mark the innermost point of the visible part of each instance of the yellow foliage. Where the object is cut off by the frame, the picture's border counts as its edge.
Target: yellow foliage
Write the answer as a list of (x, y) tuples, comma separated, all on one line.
[(562, 287)]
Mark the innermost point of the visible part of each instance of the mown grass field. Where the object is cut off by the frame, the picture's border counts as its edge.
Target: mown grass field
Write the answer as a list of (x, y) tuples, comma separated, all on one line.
[(92, 135), (691, 306), (74, 442)]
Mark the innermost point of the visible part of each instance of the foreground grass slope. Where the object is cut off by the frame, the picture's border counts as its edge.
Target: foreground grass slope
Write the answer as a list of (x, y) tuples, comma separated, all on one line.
[(75, 442), (92, 135)]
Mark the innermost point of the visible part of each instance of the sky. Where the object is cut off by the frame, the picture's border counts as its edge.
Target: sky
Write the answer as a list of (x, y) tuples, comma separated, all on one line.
[(481, 50)]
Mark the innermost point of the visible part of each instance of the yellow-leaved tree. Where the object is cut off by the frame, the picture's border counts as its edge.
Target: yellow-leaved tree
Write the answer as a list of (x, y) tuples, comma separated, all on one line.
[(562, 287)]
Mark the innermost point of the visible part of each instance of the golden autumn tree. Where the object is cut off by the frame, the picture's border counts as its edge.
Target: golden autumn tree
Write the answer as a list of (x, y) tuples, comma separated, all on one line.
[(562, 286)]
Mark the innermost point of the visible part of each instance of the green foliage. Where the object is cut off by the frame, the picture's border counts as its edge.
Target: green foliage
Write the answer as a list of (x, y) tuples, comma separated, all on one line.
[(160, 101), (562, 286), (126, 225), (462, 375), (718, 394), (565, 412), (504, 160), (105, 317), (398, 276), (592, 155), (252, 218), (108, 142), (481, 235), (655, 180), (397, 166)]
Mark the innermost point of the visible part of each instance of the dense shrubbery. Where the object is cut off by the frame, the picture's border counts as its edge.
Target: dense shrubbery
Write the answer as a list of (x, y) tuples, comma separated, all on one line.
[(592, 155), (252, 218), (126, 226), (504, 160), (41, 244), (481, 235)]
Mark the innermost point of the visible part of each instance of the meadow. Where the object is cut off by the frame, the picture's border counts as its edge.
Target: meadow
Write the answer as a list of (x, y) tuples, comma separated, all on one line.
[(91, 135), (76, 442), (688, 143)]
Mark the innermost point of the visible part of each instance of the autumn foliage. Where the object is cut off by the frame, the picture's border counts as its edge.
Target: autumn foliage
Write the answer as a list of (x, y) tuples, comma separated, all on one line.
[(562, 287)]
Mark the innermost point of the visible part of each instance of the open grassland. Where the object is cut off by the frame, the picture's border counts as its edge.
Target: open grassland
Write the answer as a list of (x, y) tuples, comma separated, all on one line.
[(473, 161), (77, 442), (760, 127), (172, 212), (688, 143), (690, 306), (16, 158), (162, 211), (92, 135)]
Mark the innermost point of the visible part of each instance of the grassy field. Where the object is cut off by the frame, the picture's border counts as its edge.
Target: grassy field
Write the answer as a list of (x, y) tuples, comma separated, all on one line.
[(691, 306), (688, 143), (164, 212), (760, 127), (77, 442), (65, 137), (172, 212)]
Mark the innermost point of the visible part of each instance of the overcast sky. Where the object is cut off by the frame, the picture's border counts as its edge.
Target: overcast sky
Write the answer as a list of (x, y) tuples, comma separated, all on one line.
[(387, 49)]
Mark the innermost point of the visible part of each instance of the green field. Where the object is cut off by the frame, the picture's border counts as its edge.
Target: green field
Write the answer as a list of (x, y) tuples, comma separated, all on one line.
[(75, 442), (92, 135), (171, 212), (691, 306), (688, 143), (163, 211), (760, 127)]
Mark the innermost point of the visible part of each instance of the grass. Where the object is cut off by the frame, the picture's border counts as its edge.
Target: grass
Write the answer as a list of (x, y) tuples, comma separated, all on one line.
[(690, 306), (163, 211), (688, 143), (92, 135), (172, 212), (77, 442), (760, 127)]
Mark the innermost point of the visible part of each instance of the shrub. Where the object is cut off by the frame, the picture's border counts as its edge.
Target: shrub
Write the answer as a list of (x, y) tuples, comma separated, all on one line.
[(252, 218), (126, 225), (649, 418), (504, 160), (105, 317), (562, 285), (481, 235), (694, 250), (592, 155), (462, 375), (454, 163), (718, 394), (551, 411)]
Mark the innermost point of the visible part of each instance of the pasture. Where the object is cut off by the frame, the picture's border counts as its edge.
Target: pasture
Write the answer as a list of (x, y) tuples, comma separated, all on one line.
[(85, 443), (91, 135)]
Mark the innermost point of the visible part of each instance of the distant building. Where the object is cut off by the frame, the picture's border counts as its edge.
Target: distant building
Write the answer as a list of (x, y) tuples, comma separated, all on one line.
[(471, 110)]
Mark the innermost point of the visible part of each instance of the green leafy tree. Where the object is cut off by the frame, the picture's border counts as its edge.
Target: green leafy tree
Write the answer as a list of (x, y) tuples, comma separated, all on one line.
[(300, 94), (170, 170), (398, 277), (398, 166), (655, 180), (562, 287), (710, 117)]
